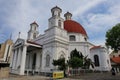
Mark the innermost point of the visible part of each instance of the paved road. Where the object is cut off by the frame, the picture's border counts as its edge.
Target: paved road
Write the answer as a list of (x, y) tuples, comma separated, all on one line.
[(90, 76), (98, 76)]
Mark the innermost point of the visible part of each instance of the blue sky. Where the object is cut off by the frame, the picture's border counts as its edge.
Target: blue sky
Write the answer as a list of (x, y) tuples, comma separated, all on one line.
[(96, 16)]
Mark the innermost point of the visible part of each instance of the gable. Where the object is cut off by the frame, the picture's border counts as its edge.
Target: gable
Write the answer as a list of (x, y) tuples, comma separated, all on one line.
[(19, 42)]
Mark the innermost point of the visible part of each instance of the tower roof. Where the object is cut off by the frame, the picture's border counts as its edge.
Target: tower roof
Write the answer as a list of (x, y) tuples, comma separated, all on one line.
[(68, 13), (56, 8), (34, 23), (68, 16)]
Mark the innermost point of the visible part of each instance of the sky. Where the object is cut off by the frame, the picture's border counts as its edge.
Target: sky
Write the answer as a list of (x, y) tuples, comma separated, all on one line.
[(96, 16)]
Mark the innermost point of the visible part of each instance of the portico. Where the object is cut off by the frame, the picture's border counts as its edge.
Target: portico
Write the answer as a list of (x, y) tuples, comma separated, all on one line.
[(25, 57)]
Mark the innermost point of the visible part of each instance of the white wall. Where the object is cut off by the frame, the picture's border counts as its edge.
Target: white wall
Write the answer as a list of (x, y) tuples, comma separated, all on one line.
[(103, 57)]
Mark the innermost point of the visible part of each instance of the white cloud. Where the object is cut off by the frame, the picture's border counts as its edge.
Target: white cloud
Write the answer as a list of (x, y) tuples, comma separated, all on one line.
[(23, 14), (98, 41), (86, 6), (20, 13), (98, 23)]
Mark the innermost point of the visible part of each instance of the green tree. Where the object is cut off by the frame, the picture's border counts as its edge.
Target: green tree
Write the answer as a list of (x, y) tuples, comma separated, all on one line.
[(76, 59), (60, 63), (75, 53), (75, 62), (113, 38)]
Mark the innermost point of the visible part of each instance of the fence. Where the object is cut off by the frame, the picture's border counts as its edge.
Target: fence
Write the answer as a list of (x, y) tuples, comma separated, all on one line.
[(78, 72)]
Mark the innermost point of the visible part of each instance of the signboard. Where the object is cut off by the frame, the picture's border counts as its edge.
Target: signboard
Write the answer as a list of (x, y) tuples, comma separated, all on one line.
[(58, 74)]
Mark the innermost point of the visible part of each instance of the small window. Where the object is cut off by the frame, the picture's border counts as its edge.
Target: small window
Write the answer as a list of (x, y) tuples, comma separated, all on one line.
[(59, 23), (72, 38), (47, 60), (85, 39)]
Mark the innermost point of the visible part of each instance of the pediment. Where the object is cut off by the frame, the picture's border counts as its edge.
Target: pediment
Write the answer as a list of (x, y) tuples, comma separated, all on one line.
[(19, 42)]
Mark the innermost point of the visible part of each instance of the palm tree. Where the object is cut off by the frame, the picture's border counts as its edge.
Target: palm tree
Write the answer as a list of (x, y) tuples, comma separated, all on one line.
[(87, 62)]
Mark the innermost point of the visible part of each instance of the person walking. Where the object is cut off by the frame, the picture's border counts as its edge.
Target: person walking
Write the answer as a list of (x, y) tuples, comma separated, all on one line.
[(113, 71)]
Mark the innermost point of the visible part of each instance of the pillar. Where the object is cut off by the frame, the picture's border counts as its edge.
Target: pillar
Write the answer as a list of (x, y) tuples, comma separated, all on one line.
[(19, 57), (14, 59), (23, 60)]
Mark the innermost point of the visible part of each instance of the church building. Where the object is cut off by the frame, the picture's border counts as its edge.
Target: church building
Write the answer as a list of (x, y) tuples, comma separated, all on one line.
[(60, 38)]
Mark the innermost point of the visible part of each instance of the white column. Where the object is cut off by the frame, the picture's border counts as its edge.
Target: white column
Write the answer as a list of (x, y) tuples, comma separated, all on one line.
[(11, 60), (6, 50), (14, 59), (19, 53), (23, 60)]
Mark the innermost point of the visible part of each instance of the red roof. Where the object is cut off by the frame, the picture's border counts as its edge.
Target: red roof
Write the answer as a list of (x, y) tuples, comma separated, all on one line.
[(95, 47), (116, 60), (73, 26)]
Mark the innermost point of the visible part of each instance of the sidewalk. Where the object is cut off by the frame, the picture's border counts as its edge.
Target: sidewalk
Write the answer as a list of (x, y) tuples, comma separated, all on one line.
[(90, 76)]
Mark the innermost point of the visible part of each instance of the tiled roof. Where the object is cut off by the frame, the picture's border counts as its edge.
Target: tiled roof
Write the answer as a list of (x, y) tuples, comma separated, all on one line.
[(73, 26), (116, 59), (95, 47)]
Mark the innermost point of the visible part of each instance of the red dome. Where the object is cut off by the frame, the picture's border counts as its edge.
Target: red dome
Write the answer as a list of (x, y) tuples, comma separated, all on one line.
[(73, 26)]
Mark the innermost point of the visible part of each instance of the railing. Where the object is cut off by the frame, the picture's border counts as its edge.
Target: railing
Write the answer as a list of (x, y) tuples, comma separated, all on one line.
[(78, 72)]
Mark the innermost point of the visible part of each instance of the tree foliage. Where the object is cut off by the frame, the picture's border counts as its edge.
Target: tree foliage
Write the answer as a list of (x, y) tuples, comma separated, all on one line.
[(75, 62), (113, 37), (60, 63), (75, 53), (76, 59)]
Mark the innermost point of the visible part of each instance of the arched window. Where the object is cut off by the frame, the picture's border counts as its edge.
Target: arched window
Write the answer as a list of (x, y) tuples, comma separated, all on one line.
[(47, 60), (96, 59), (85, 39), (72, 38), (34, 28), (62, 56), (59, 23), (108, 61), (34, 35)]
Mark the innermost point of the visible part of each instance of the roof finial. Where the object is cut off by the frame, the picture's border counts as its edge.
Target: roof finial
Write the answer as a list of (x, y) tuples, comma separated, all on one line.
[(11, 36), (19, 34), (34, 23)]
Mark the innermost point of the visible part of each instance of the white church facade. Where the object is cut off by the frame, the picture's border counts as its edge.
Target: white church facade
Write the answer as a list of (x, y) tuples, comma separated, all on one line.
[(62, 36)]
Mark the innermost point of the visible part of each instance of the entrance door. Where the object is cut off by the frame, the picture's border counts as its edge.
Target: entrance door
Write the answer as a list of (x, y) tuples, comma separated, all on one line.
[(34, 61)]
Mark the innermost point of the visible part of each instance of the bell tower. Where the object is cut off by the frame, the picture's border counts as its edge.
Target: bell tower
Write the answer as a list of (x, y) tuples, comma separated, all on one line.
[(33, 32), (56, 20), (68, 16)]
